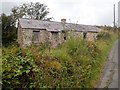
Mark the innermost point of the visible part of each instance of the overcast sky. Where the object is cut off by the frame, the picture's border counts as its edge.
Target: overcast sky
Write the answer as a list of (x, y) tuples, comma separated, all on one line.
[(91, 12)]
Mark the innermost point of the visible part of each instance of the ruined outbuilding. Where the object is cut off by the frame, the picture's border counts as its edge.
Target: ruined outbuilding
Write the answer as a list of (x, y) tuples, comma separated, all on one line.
[(38, 31)]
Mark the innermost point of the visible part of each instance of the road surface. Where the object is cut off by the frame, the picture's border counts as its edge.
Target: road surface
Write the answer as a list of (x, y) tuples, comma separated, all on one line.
[(110, 75)]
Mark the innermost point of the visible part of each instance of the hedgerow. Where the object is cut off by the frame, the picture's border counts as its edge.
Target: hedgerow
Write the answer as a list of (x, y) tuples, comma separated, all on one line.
[(75, 64), (18, 69)]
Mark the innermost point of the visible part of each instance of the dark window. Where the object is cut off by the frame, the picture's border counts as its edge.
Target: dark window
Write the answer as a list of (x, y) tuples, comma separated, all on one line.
[(64, 35), (55, 36), (84, 35), (35, 36)]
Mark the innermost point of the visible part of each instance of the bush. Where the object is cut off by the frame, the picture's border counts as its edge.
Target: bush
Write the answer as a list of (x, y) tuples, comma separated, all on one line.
[(104, 35), (75, 46), (18, 69), (61, 54), (78, 58)]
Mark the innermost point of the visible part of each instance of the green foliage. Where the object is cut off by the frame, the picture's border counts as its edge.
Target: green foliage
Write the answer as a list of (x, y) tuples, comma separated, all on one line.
[(9, 31), (118, 32), (61, 55), (104, 35), (0, 68), (18, 69), (75, 64), (78, 59), (32, 10)]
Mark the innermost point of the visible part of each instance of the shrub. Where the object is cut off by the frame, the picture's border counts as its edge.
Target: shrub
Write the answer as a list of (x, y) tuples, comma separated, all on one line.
[(104, 35), (75, 45), (18, 69), (61, 54)]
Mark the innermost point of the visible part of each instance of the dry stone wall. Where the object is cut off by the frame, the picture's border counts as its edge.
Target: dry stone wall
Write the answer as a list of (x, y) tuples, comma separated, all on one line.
[(25, 37)]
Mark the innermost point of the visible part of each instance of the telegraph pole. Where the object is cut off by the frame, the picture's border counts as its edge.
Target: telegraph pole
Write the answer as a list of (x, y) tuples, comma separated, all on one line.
[(114, 16)]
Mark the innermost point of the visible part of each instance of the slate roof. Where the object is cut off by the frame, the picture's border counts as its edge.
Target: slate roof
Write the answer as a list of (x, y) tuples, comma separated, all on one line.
[(56, 26)]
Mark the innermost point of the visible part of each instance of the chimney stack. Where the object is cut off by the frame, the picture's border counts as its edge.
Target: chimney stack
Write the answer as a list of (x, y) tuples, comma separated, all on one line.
[(63, 21)]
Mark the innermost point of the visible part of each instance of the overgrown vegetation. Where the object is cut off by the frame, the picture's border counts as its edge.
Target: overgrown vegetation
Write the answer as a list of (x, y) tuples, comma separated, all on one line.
[(75, 64)]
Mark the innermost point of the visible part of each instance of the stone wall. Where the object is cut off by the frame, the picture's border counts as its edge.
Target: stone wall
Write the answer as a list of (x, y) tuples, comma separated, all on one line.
[(55, 38), (19, 36), (78, 34), (91, 36), (25, 36), (43, 36)]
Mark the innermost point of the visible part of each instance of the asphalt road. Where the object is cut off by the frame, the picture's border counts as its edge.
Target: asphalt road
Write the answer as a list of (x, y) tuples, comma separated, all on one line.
[(110, 75)]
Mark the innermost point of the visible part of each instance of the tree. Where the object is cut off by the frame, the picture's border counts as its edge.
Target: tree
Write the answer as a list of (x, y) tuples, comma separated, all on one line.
[(9, 31), (31, 10)]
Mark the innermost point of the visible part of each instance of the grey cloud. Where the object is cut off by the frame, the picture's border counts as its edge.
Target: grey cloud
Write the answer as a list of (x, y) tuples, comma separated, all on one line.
[(7, 6)]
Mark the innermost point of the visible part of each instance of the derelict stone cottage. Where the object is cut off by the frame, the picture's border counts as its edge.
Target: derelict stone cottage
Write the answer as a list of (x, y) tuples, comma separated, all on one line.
[(38, 31)]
